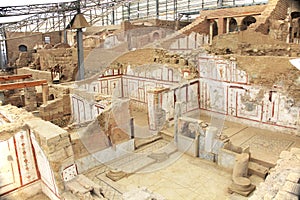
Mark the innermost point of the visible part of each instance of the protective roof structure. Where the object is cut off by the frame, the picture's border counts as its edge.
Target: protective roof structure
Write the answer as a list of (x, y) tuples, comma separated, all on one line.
[(53, 15)]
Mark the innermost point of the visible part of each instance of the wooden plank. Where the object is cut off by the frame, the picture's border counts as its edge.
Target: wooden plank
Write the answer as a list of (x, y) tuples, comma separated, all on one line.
[(14, 77), (18, 85)]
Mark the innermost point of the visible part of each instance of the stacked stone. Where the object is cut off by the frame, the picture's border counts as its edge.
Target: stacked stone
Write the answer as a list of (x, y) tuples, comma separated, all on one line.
[(282, 183), (24, 59), (57, 111), (30, 99), (56, 145)]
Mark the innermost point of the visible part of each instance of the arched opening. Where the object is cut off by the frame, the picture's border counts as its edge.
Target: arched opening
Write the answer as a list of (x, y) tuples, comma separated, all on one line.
[(233, 25), (246, 22), (215, 29), (295, 15), (51, 97), (22, 48), (155, 36)]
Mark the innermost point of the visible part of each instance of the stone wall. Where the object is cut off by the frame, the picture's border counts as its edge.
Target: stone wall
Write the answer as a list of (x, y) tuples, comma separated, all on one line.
[(58, 110), (283, 180), (51, 57), (36, 74), (172, 25), (52, 151), (29, 39), (276, 10), (54, 154)]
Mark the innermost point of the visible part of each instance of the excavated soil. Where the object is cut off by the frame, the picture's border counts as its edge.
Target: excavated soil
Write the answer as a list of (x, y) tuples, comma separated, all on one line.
[(270, 71)]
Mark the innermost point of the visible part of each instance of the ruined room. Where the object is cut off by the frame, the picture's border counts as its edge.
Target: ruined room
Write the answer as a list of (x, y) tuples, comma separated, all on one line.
[(150, 100)]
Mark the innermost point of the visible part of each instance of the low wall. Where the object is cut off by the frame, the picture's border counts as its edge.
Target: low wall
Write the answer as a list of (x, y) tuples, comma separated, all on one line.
[(36, 74), (58, 111)]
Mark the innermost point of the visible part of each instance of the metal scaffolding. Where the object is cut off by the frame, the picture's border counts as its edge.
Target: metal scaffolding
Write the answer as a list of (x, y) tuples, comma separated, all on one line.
[(56, 16)]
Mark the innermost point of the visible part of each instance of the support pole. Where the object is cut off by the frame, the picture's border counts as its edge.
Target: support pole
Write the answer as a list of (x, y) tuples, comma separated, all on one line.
[(65, 30), (131, 128), (211, 32), (80, 48), (157, 9), (1, 56), (80, 54), (45, 93)]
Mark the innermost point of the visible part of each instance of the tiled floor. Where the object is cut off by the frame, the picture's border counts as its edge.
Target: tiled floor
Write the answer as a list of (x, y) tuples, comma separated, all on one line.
[(187, 178)]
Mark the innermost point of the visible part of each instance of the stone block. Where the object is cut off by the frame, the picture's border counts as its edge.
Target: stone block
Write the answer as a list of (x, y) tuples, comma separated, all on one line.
[(65, 134), (53, 140), (201, 143), (62, 143), (226, 158), (69, 151), (293, 177), (282, 195), (207, 156), (217, 145), (291, 187), (58, 155)]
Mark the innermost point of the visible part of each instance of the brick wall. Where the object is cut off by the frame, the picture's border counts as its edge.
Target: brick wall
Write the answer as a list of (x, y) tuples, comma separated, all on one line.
[(276, 10), (29, 39), (14, 40)]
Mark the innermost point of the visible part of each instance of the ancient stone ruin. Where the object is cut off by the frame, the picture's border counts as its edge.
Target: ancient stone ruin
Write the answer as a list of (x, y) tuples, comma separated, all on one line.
[(150, 100)]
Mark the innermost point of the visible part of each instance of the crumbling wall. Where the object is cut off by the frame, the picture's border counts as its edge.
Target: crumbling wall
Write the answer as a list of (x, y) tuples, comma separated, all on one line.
[(251, 43), (50, 57), (36, 74), (58, 110), (14, 40), (53, 152), (227, 89), (283, 181), (114, 121), (276, 10)]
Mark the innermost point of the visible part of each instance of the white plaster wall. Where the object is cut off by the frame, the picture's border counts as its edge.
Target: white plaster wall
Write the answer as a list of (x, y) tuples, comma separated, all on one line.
[(223, 88), (49, 186)]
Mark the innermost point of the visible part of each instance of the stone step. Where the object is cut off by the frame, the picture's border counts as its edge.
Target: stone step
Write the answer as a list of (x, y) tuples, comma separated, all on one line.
[(257, 169), (139, 142), (262, 162), (166, 135)]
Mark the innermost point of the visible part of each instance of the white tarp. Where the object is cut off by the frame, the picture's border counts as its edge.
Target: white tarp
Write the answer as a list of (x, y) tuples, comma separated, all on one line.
[(296, 63)]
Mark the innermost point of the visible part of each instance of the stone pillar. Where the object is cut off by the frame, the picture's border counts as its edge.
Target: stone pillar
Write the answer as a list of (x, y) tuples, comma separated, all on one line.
[(177, 115), (156, 114), (288, 19), (45, 92), (211, 31), (227, 24), (240, 168), (239, 21), (30, 98), (221, 26)]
